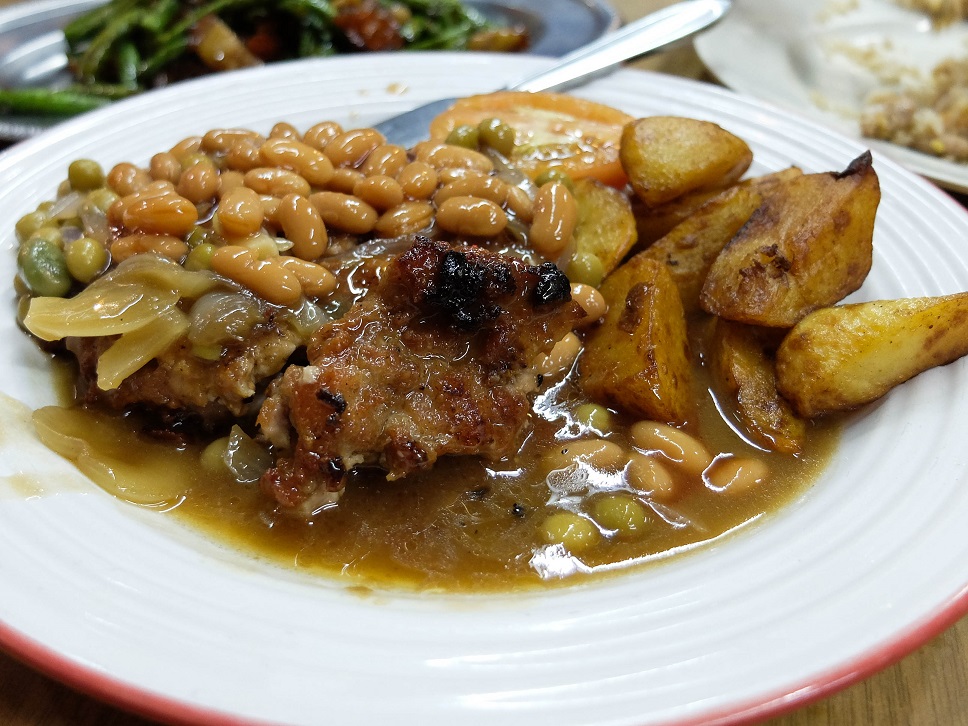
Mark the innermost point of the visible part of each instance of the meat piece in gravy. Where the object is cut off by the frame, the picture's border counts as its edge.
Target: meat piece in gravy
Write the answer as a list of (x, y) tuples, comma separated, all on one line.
[(434, 360)]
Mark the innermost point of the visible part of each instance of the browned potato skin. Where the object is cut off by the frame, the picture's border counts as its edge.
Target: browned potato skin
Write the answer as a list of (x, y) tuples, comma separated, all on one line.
[(690, 248), (743, 371), (839, 358), (655, 223), (606, 225), (807, 246), (638, 358), (668, 156)]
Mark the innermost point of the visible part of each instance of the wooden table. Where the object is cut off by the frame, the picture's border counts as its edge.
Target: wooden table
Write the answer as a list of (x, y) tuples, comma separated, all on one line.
[(929, 686)]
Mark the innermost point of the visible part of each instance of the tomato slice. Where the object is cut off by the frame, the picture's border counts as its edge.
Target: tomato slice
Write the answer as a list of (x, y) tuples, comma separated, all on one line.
[(551, 131)]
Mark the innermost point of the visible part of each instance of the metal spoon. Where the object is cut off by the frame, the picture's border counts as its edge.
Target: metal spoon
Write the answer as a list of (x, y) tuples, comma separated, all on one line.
[(655, 31)]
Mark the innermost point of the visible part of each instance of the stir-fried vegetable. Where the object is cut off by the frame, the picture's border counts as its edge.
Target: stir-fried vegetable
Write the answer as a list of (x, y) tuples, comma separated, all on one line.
[(126, 46)]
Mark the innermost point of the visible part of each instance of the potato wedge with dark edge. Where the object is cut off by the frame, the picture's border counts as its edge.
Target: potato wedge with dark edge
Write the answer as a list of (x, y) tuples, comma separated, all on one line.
[(807, 246), (606, 225), (665, 157), (839, 358), (690, 249), (638, 359), (742, 367)]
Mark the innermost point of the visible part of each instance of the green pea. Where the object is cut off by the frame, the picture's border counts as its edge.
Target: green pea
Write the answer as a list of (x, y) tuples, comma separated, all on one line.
[(623, 514), (586, 268), (86, 258), (213, 456), (200, 258), (552, 176), (200, 236), (594, 416), (43, 268), (45, 206), (498, 135), (50, 233), (85, 175), (466, 136), (207, 352), (28, 224), (102, 199), (571, 530)]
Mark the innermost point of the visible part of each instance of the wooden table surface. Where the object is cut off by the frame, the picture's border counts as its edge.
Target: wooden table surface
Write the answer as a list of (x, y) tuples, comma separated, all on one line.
[(929, 686)]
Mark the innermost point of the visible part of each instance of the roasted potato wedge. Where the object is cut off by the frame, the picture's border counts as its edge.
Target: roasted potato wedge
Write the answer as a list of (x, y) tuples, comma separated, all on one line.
[(668, 156), (690, 248), (638, 358), (807, 246), (839, 358), (606, 226), (743, 373), (653, 223)]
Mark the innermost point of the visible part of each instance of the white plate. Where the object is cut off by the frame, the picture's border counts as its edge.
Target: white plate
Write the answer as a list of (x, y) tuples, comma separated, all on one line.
[(864, 566), (783, 51)]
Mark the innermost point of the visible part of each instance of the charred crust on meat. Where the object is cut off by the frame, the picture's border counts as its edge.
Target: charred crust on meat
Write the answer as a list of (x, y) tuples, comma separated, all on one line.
[(334, 400), (553, 286), (858, 166)]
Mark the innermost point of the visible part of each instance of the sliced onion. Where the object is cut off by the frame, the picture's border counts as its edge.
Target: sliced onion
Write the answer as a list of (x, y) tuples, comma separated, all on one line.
[(245, 458), (132, 350), (160, 273), (105, 310), (218, 317), (67, 207), (95, 222)]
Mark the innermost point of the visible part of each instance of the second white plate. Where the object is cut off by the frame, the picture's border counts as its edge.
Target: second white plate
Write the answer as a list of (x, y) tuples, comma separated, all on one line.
[(780, 51)]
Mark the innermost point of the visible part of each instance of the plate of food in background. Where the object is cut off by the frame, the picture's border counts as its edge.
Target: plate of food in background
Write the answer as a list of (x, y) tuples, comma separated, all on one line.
[(615, 568), (59, 58), (891, 72)]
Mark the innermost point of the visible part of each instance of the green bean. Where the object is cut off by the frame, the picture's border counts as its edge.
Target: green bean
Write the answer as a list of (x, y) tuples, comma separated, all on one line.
[(128, 60), (46, 101), (97, 52), (159, 16), (86, 25)]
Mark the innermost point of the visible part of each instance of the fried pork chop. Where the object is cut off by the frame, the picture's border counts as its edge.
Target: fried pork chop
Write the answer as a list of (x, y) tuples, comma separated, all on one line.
[(433, 361)]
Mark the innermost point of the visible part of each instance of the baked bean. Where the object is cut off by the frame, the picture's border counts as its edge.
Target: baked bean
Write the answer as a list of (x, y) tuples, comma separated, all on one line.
[(344, 180), (418, 180), (591, 301), (229, 180), (166, 213), (115, 213), (303, 226), (313, 165), (268, 280), (316, 280), (571, 530), (240, 213), (276, 182), (243, 155), (405, 218), (471, 216), (446, 176), (160, 186), (165, 166), (554, 221), (284, 130), (199, 183), (159, 244), (344, 212), (379, 191), (520, 204), (648, 475), (321, 134), (386, 159), (482, 186), (598, 453), (221, 140), (736, 474), (351, 148), (125, 178), (186, 147), (561, 357), (270, 209), (675, 444), (449, 156)]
